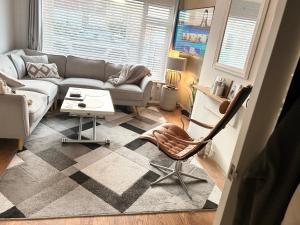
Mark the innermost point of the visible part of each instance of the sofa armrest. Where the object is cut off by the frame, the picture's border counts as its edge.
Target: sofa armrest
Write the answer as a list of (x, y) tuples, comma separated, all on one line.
[(14, 116), (146, 86)]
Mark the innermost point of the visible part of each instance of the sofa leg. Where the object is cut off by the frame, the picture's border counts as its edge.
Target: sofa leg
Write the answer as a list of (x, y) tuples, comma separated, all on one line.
[(55, 104), (20, 144), (136, 110)]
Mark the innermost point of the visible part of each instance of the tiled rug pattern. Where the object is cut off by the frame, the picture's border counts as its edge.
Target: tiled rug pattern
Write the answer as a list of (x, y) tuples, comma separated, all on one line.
[(51, 179)]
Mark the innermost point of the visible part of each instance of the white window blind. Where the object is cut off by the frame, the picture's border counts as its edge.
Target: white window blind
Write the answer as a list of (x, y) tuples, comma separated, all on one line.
[(118, 31), (239, 33), (236, 42)]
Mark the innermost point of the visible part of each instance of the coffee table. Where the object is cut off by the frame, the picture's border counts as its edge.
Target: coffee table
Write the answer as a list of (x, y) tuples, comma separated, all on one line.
[(98, 104)]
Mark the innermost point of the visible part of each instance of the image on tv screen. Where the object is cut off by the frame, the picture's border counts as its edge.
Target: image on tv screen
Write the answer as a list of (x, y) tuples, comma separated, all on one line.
[(192, 30)]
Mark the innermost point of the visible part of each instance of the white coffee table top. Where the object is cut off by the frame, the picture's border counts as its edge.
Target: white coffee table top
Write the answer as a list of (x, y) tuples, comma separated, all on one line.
[(98, 103)]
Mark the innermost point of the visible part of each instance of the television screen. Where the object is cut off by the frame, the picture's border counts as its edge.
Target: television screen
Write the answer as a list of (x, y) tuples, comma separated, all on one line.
[(192, 30)]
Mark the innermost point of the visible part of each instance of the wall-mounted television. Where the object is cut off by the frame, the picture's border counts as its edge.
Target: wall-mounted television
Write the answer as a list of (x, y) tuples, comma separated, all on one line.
[(192, 30)]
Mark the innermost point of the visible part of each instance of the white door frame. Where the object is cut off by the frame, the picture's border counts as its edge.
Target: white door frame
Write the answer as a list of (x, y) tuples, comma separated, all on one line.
[(274, 73)]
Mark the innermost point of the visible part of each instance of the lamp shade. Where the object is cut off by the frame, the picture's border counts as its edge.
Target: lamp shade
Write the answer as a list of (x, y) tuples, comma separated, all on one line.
[(177, 64)]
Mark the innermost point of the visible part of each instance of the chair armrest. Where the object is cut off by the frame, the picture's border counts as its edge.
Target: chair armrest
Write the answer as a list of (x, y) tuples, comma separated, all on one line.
[(204, 125), (14, 116), (146, 86)]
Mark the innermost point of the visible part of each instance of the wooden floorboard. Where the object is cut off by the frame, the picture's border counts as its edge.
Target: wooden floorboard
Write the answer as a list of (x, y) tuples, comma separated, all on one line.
[(7, 151)]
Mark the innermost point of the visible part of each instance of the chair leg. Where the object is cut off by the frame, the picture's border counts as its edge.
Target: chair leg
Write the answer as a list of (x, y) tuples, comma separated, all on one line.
[(161, 167), (178, 172), (183, 185), (20, 144), (163, 178), (191, 176)]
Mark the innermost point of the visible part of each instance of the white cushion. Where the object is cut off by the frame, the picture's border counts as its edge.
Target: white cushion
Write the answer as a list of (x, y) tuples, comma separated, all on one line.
[(19, 64), (7, 66)]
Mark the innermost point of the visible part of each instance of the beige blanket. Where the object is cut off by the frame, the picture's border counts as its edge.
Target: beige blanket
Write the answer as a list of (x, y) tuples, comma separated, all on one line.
[(130, 74)]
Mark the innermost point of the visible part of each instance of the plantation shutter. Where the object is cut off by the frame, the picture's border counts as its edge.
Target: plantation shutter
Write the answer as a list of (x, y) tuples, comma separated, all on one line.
[(239, 33), (118, 31)]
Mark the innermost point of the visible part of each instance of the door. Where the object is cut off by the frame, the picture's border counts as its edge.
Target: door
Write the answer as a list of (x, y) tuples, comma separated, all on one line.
[(274, 72)]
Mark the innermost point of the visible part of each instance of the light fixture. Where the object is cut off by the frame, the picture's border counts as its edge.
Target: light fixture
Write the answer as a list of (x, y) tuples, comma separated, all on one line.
[(175, 66)]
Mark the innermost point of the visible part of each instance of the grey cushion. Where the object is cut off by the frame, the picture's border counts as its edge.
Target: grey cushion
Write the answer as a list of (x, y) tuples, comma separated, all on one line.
[(11, 81), (7, 66), (81, 83), (35, 59), (124, 92), (112, 69), (59, 60), (38, 106), (40, 86), (85, 68)]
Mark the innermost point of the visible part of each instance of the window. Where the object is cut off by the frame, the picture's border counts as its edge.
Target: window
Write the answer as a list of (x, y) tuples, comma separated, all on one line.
[(239, 33), (118, 31)]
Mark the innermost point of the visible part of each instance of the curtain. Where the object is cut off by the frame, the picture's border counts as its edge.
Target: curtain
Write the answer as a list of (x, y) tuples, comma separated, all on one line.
[(35, 25), (269, 183)]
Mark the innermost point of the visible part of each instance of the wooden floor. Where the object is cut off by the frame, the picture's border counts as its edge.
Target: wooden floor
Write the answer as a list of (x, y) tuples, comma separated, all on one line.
[(185, 218)]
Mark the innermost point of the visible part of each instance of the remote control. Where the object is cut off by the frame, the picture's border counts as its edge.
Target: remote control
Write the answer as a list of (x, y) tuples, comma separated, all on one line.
[(82, 105)]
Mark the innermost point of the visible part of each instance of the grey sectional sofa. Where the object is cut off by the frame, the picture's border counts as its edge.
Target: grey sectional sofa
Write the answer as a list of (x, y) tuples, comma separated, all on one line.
[(18, 119)]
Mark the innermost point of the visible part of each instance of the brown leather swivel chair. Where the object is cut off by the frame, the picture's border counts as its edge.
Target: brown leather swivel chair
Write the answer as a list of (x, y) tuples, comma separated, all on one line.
[(176, 143)]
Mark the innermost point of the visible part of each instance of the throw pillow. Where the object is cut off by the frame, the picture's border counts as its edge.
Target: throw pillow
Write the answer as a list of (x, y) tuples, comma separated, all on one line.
[(35, 59), (11, 81), (19, 65), (42, 70)]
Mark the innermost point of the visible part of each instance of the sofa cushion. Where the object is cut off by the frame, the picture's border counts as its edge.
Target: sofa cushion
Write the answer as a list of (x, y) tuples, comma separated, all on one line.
[(42, 70), (19, 65), (124, 92), (85, 68), (35, 59), (112, 69), (59, 60), (7, 66), (40, 86), (38, 105), (80, 83), (55, 81)]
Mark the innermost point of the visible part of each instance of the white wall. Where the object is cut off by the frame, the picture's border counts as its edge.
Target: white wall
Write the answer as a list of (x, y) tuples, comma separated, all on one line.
[(21, 9), (6, 25), (13, 24), (206, 109)]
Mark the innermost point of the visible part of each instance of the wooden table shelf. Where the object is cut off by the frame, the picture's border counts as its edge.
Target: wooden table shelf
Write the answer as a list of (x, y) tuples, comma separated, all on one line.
[(206, 91)]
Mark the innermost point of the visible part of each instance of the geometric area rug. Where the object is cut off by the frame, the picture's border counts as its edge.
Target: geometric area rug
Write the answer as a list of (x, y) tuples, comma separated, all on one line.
[(49, 179)]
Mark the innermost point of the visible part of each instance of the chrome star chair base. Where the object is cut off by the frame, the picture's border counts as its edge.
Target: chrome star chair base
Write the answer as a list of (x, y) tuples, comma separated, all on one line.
[(177, 144), (177, 171)]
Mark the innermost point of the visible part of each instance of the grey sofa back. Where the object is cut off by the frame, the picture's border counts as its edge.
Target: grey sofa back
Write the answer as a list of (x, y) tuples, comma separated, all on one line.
[(112, 69), (68, 67), (77, 67)]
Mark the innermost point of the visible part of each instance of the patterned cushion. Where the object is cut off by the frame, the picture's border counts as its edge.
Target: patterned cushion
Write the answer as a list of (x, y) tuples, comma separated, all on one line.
[(42, 70)]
